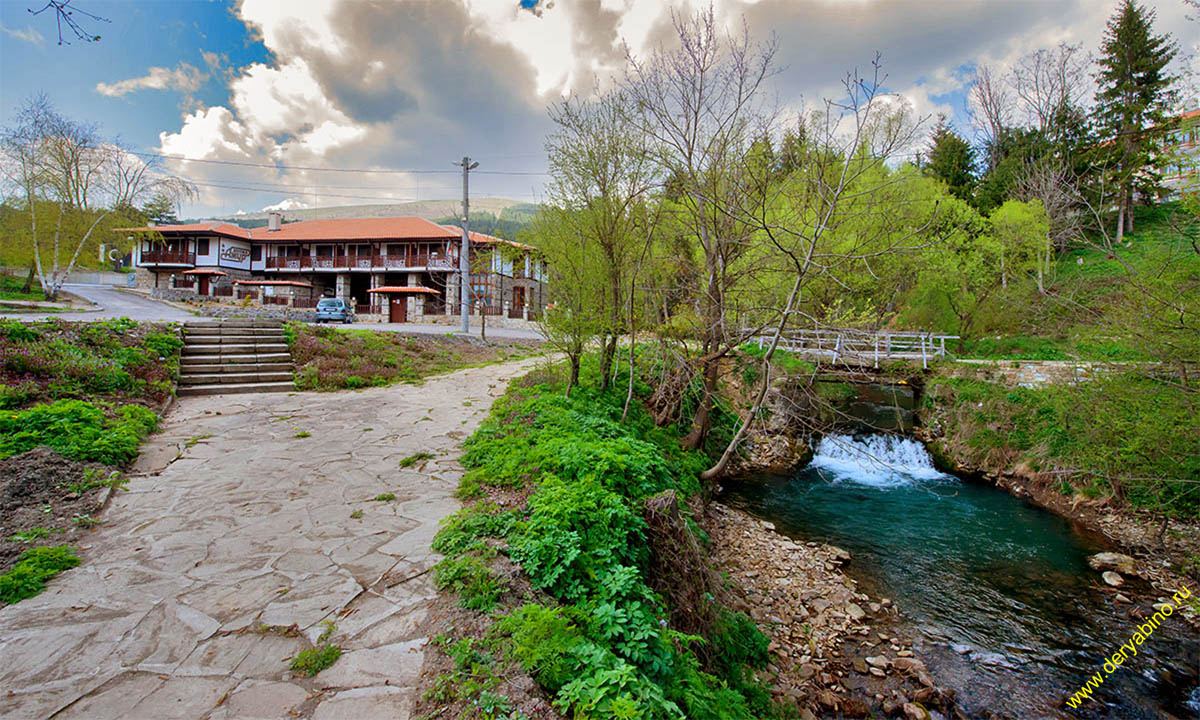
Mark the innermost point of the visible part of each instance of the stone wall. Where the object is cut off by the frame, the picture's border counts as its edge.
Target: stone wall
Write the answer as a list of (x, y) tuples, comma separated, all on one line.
[(173, 294), (274, 312)]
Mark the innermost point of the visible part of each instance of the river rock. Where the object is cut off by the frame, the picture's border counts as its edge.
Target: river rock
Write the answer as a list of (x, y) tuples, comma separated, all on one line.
[(908, 664), (1113, 578), (855, 612), (855, 708), (1112, 561), (840, 554), (859, 664), (913, 711), (877, 672), (878, 661)]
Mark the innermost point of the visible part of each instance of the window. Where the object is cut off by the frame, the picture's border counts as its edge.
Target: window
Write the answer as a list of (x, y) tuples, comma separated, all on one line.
[(256, 253), (202, 246)]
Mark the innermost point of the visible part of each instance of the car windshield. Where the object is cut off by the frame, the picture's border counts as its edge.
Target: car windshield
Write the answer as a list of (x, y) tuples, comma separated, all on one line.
[(329, 303)]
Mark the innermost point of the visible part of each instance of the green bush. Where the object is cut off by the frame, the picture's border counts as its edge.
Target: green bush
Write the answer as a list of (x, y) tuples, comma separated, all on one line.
[(35, 566), (79, 430), (608, 650)]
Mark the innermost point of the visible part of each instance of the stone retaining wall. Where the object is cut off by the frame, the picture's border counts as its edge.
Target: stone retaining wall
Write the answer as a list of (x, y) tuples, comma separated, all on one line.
[(275, 312)]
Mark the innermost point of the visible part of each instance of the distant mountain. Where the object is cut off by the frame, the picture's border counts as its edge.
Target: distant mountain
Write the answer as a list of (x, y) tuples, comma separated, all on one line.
[(433, 210)]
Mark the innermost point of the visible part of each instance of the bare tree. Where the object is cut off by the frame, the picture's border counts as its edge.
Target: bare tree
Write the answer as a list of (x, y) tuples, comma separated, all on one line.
[(1048, 81), (64, 14), (700, 104), (991, 107), (1050, 181), (63, 174)]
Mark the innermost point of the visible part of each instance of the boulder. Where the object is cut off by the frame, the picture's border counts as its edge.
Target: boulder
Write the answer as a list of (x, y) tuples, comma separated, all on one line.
[(1112, 578), (1112, 561)]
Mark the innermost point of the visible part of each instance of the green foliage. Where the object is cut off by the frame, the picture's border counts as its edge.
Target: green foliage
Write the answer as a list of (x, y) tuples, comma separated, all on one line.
[(473, 680), (310, 661), (384, 497), (468, 575), (1128, 436), (34, 567), (78, 430), (951, 160), (608, 650)]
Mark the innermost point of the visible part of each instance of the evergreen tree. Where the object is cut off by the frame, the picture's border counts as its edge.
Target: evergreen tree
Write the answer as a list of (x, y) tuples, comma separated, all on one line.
[(160, 209), (1133, 99), (951, 159)]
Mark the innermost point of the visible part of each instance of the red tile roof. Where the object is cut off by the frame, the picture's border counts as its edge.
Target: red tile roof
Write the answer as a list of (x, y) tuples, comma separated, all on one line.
[(394, 228), (333, 230), (204, 271)]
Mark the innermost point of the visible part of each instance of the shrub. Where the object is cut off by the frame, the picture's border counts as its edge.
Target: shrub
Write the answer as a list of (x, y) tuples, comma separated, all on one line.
[(78, 430), (35, 566)]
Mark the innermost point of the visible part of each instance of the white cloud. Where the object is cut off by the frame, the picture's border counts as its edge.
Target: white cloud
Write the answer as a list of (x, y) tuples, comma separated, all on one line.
[(29, 35), (184, 77)]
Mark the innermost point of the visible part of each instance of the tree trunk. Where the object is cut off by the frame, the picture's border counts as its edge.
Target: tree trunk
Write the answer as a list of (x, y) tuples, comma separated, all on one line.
[(1120, 221), (29, 279), (608, 352), (573, 378), (702, 420), (1129, 211)]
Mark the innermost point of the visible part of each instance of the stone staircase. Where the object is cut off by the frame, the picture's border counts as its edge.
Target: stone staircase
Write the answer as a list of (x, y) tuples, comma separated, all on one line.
[(234, 355)]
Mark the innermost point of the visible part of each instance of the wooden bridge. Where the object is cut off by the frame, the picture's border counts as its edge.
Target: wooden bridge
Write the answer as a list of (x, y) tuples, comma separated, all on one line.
[(862, 345)]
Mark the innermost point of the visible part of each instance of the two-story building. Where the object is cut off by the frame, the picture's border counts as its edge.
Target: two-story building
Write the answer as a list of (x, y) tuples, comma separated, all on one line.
[(400, 268)]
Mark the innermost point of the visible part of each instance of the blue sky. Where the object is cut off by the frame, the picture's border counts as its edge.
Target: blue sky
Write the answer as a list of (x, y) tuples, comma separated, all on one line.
[(416, 84), (140, 35)]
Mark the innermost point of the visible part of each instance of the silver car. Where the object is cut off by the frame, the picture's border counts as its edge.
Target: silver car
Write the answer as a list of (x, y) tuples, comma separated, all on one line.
[(334, 310)]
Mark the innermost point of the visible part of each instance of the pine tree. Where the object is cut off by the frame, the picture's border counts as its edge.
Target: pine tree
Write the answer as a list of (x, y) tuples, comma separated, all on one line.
[(1133, 100), (951, 159)]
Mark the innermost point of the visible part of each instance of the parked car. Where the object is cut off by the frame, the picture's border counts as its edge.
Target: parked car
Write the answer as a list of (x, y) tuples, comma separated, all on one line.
[(334, 310)]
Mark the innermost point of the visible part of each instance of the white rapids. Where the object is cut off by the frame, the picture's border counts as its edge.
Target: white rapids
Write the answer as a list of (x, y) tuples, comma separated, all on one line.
[(878, 460)]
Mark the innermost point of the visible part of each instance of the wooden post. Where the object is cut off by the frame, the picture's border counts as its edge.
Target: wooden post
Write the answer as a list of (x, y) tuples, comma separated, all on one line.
[(836, 347), (924, 361), (943, 352), (877, 351)]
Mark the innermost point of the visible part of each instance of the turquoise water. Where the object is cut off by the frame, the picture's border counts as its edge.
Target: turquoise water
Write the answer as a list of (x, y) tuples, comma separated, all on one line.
[(996, 591)]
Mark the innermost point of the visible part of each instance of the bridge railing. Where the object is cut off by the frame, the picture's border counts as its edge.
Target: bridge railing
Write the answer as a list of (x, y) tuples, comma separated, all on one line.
[(839, 344)]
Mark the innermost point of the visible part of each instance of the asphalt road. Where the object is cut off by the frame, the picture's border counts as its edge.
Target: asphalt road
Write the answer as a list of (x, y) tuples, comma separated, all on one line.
[(113, 303)]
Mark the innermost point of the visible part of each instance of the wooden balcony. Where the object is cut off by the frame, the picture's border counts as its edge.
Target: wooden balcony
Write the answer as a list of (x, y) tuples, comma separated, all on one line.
[(167, 257), (359, 262)]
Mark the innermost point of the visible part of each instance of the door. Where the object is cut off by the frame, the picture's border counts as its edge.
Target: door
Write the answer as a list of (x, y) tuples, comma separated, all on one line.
[(399, 310), (203, 285), (518, 301)]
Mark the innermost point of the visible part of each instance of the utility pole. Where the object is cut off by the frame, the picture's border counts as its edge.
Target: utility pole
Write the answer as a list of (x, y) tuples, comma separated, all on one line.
[(464, 257)]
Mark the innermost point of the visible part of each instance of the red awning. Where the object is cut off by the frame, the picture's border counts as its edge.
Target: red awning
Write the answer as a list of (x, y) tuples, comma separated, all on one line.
[(204, 271), (404, 289)]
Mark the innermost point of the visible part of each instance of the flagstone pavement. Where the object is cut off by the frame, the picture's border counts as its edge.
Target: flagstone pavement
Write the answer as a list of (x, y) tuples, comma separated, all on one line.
[(234, 529)]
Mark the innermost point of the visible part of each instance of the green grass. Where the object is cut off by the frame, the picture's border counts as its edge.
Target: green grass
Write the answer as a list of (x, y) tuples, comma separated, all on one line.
[(311, 661), (11, 286), (36, 566), (1024, 347), (384, 497), (416, 458), (1129, 437)]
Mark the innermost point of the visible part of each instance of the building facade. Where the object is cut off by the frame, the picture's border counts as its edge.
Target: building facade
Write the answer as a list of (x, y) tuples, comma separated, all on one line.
[(398, 269)]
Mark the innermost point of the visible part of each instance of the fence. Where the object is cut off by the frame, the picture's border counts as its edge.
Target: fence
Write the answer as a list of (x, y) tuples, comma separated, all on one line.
[(275, 300), (304, 302), (862, 344), (223, 291)]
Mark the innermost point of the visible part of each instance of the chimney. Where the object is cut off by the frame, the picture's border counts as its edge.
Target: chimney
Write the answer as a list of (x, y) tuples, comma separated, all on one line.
[(273, 220)]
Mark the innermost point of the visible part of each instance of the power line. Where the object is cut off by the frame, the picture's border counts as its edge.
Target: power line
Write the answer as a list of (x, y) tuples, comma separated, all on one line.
[(287, 190), (376, 171)]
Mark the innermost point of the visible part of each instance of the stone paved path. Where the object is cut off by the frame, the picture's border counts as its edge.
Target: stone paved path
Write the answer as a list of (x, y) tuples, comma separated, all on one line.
[(236, 524)]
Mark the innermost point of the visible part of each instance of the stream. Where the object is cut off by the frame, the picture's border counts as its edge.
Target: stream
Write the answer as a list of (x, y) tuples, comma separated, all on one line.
[(995, 592)]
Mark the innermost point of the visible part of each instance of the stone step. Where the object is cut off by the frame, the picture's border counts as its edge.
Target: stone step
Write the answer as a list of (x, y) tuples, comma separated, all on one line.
[(230, 339), (201, 332), (235, 349), (234, 322), (234, 358), (235, 378), (240, 367), (229, 389)]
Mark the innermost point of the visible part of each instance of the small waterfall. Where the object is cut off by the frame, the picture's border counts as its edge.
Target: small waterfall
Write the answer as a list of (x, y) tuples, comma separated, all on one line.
[(879, 460)]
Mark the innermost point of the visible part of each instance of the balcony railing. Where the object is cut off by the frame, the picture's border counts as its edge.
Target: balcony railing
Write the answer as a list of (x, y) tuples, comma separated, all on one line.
[(167, 257), (333, 262)]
